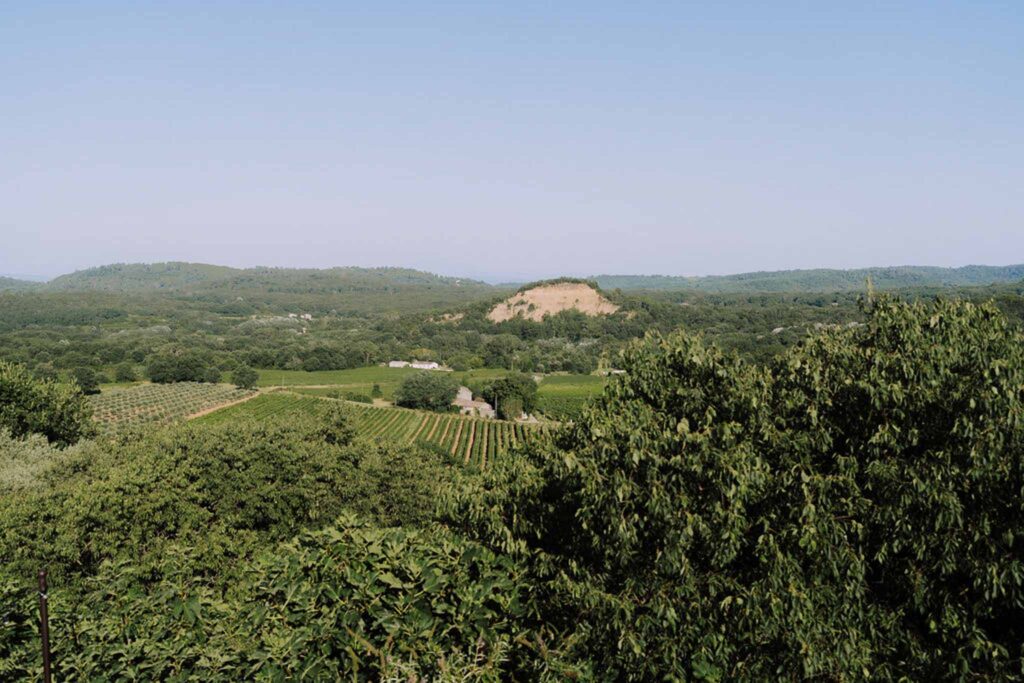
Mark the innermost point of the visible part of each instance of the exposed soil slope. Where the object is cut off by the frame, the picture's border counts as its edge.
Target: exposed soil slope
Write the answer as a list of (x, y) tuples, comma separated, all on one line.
[(536, 302)]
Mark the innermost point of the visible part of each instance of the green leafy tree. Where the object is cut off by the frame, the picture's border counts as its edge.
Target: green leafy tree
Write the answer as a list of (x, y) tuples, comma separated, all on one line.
[(32, 406), (178, 366), (125, 372), (511, 408), (245, 377), (512, 395), (336, 426), (87, 380), (427, 390), (853, 510)]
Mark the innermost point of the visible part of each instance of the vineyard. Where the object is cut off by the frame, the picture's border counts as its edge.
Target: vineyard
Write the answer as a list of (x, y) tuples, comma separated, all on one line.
[(473, 441), (160, 403)]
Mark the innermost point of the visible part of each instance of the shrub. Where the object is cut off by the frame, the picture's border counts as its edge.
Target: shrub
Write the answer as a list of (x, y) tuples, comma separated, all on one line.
[(32, 406)]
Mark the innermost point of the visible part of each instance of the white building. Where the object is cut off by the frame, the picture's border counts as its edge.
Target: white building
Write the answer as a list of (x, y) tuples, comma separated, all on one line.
[(306, 316), (398, 364), (424, 365)]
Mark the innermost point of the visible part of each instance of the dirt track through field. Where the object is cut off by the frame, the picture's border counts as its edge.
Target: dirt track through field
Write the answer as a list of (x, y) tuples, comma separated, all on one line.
[(458, 433), (469, 444), (213, 409)]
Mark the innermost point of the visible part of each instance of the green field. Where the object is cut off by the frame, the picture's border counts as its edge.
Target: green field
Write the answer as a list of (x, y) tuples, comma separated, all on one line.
[(472, 441), (556, 392), (360, 380), (561, 397), (262, 406), (159, 403), (571, 385)]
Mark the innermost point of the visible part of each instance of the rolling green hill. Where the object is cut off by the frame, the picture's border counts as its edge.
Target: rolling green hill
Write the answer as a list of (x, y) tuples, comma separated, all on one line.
[(10, 284), (381, 291), (140, 277), (820, 279), (200, 277)]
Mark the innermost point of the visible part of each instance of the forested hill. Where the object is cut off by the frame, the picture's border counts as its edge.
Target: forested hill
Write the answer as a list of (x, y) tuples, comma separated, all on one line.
[(140, 277), (10, 284), (820, 279), (245, 291), (201, 277)]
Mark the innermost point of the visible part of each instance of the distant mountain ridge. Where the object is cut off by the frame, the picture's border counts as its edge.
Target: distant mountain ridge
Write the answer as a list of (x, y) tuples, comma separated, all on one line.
[(182, 276), (820, 279), (10, 284)]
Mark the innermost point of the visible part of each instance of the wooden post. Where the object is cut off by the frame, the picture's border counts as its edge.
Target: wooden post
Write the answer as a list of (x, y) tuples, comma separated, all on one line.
[(44, 626)]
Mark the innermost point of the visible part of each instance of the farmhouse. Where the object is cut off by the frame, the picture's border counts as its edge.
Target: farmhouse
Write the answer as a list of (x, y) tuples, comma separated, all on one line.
[(424, 365), (467, 406), (398, 364)]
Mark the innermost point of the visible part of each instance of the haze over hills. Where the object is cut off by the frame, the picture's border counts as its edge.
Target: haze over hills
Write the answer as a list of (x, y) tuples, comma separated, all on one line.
[(134, 277), (14, 284), (200, 277), (820, 279)]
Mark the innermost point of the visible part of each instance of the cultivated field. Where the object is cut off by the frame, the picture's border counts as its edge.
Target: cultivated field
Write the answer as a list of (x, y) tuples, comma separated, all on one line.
[(160, 403), (356, 379), (473, 441), (361, 380), (561, 397)]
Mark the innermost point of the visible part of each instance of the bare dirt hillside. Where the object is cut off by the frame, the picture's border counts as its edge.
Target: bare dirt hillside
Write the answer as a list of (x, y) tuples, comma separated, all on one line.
[(535, 303)]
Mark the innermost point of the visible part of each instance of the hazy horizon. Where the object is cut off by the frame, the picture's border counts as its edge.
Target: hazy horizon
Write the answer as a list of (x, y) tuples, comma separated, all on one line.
[(513, 280), (512, 143)]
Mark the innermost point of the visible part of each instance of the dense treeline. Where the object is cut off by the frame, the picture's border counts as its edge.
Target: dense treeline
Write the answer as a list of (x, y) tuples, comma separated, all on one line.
[(56, 333), (850, 509)]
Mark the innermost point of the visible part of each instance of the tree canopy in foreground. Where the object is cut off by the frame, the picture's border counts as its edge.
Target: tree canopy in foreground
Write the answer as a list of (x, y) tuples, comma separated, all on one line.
[(852, 510)]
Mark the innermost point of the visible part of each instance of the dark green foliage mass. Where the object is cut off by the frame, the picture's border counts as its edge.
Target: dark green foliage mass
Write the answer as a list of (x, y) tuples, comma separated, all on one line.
[(181, 366), (222, 488), (352, 602), (87, 380), (427, 390), (32, 406), (852, 511), (125, 372), (512, 395), (244, 377)]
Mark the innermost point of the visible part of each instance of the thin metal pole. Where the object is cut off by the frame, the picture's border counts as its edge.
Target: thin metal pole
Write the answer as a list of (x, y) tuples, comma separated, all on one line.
[(44, 626)]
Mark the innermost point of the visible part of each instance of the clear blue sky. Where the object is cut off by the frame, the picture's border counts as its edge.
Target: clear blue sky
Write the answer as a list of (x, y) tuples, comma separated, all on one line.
[(512, 140)]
